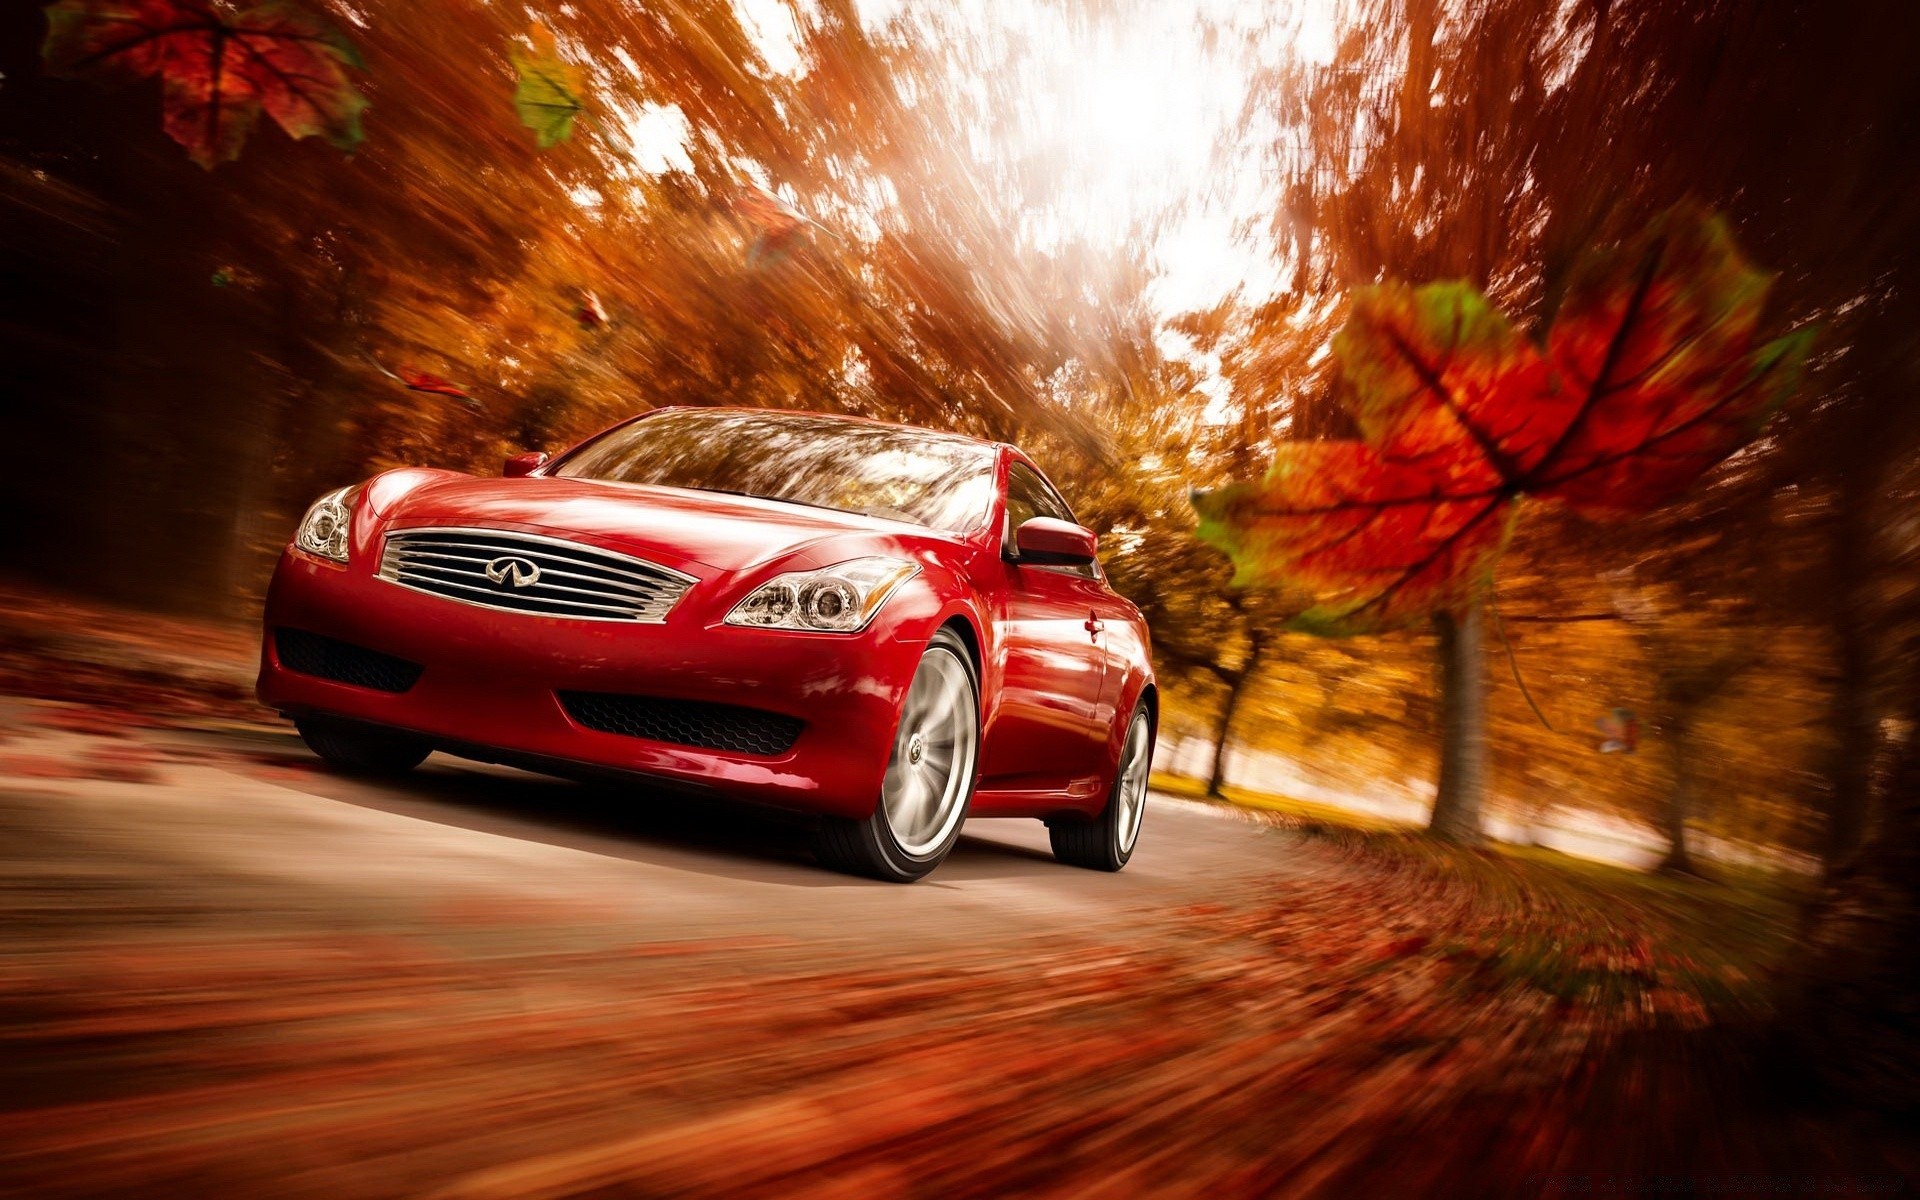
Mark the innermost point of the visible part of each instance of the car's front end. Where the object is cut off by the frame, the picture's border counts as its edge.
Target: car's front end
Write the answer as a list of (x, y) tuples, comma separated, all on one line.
[(707, 641)]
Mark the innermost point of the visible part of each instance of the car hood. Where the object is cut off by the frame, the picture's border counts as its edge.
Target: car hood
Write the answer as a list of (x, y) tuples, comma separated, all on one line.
[(675, 527)]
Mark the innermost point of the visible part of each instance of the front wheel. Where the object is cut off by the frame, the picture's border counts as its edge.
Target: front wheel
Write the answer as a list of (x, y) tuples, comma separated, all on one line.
[(362, 749), (929, 779), (1106, 842)]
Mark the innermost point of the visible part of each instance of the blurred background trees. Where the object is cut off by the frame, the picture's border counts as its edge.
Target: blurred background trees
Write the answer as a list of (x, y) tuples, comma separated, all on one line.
[(1475, 140), (188, 356), (211, 347)]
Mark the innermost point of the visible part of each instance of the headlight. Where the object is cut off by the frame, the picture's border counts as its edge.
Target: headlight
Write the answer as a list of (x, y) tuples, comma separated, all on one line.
[(323, 531), (837, 599)]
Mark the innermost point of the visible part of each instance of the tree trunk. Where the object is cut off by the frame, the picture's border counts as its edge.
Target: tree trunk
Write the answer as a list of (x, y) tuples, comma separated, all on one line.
[(1679, 799), (1853, 1007), (1256, 649), (1850, 775), (1219, 776), (1463, 730)]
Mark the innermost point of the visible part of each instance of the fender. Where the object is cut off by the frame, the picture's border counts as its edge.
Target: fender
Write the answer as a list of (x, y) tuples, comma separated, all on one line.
[(384, 490)]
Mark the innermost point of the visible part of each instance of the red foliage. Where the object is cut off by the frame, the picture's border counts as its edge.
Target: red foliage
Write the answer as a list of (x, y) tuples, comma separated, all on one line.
[(777, 226), (767, 213), (421, 381), (1649, 376), (218, 70)]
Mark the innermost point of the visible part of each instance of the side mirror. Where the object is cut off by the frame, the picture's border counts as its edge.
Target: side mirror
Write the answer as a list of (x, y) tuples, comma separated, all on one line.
[(524, 464), (1046, 542)]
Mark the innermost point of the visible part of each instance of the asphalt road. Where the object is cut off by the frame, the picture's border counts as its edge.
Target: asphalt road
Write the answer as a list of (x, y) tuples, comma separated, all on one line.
[(256, 823), (227, 970)]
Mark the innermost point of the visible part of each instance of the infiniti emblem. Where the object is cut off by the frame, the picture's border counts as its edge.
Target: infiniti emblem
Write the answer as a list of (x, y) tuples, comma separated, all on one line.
[(517, 572)]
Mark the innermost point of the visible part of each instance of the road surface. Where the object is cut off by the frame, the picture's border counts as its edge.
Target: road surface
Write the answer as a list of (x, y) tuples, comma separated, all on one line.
[(255, 823), (228, 970)]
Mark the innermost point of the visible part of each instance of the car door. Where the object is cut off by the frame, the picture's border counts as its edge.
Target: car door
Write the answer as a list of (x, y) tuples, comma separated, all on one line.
[(1047, 733)]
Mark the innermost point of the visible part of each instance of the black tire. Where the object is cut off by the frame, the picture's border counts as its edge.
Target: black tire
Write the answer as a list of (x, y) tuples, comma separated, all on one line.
[(869, 846), (1107, 842), (362, 749)]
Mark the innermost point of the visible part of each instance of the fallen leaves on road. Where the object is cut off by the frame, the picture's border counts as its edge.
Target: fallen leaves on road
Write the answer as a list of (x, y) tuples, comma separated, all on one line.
[(121, 668), (1397, 1019)]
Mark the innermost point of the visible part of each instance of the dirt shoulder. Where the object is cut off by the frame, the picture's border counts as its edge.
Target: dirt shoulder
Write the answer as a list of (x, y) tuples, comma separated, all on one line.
[(58, 646)]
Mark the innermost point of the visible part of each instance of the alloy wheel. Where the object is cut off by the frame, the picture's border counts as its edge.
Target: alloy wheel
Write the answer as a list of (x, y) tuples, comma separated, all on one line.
[(927, 782), (1131, 795)]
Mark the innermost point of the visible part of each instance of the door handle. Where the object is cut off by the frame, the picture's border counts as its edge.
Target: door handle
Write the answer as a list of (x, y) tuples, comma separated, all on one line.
[(1094, 624)]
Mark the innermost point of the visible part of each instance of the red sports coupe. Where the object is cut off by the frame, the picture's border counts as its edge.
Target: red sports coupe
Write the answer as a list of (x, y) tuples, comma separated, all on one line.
[(890, 628)]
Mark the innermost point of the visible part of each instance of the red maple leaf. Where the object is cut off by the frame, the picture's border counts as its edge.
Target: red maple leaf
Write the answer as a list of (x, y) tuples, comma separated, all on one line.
[(422, 381), (777, 226), (219, 68), (768, 213), (1650, 375)]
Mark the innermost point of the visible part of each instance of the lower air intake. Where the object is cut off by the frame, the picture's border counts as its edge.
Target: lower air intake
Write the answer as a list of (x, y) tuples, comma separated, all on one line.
[(343, 662), (685, 722)]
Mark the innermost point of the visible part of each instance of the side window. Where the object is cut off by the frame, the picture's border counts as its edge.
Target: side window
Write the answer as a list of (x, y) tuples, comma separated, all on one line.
[(1030, 496)]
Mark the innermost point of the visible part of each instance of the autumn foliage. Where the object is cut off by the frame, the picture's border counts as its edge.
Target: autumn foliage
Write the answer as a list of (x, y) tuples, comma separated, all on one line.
[(218, 70), (1651, 372), (548, 96), (505, 264)]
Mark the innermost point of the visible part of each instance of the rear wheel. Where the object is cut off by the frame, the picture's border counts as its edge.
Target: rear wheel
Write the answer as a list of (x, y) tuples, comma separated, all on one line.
[(363, 749), (929, 779), (1106, 842)]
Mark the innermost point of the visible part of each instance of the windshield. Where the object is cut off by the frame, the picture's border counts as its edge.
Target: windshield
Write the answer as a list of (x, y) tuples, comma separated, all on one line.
[(887, 471)]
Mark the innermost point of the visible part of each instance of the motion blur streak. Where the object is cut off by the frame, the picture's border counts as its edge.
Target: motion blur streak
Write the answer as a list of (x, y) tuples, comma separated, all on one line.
[(1592, 869)]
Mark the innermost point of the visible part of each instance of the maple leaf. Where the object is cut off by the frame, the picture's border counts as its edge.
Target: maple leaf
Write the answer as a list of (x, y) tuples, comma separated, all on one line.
[(1441, 384), (218, 68), (1649, 376), (1658, 376), (1366, 541), (777, 226), (416, 380), (548, 97), (422, 381)]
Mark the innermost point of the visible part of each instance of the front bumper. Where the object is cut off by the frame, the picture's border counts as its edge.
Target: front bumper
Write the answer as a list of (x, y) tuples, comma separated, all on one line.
[(489, 682)]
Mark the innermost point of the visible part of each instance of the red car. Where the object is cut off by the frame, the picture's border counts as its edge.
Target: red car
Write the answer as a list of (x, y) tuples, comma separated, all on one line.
[(890, 628)]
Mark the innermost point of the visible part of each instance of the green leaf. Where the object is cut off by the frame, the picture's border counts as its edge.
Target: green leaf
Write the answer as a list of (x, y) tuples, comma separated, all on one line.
[(549, 95)]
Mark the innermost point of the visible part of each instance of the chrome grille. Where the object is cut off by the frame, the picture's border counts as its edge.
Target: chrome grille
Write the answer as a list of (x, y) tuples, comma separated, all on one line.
[(527, 573)]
